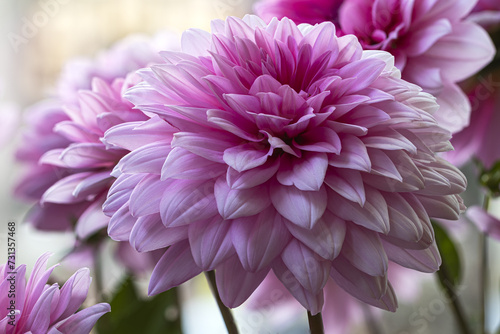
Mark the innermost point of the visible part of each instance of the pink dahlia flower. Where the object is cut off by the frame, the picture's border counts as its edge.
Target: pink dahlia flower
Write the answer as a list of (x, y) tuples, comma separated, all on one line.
[(286, 148), (39, 308), (433, 44), (69, 166)]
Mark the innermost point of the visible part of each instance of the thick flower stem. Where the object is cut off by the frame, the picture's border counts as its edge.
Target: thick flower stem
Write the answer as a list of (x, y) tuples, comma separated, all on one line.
[(226, 312), (483, 271), (315, 323)]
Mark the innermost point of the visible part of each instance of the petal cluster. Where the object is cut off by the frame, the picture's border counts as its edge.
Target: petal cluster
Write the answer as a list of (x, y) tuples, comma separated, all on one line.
[(285, 148), (69, 167), (37, 307), (434, 45)]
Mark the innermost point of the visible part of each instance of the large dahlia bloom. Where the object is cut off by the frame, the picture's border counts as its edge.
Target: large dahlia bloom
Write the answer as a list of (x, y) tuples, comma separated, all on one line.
[(434, 46), (69, 166), (39, 308), (283, 148)]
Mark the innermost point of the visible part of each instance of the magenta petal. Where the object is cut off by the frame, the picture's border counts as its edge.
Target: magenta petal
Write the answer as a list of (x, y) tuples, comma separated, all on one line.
[(307, 173), (235, 284), (73, 294), (62, 191), (259, 240), (325, 238), (311, 271), (39, 317), (175, 267), (253, 177), (132, 135), (312, 302), (210, 146), (303, 208), (83, 321), (364, 250), (95, 183), (373, 215), (91, 221), (425, 260), (353, 156), (149, 234), (182, 164), (186, 202), (146, 196), (373, 290), (347, 183), (89, 155), (121, 224), (236, 203), (210, 242), (246, 156), (146, 159)]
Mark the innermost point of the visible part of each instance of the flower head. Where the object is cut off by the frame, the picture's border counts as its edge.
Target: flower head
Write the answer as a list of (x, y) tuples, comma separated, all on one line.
[(40, 308), (69, 165), (285, 148), (433, 44)]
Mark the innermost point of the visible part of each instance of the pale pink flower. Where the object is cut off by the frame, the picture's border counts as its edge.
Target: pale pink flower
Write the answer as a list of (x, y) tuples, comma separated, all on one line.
[(39, 308), (434, 45), (480, 139), (285, 148), (69, 166), (486, 13), (484, 221)]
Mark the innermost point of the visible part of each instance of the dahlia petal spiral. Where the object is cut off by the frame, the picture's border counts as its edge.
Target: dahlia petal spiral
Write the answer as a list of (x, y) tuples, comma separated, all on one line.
[(293, 151)]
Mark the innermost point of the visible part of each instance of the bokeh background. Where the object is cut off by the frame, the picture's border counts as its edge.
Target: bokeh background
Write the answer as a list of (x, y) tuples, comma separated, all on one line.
[(38, 37)]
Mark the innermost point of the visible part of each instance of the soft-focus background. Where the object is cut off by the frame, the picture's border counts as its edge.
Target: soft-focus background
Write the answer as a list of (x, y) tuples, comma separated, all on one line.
[(37, 37)]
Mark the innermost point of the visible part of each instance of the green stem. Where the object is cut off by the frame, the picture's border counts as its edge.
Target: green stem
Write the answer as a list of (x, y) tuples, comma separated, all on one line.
[(226, 312), (99, 285), (315, 323), (483, 271), (446, 281)]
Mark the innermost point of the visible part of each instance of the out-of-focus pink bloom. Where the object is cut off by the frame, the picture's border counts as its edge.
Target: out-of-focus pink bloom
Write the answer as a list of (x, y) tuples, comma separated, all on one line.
[(486, 13), (39, 308), (434, 45), (480, 138), (69, 166), (282, 147), (300, 11), (341, 311), (484, 221)]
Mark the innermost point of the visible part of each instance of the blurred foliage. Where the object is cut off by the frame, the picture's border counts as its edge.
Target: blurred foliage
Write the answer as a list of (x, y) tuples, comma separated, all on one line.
[(132, 314), (450, 271)]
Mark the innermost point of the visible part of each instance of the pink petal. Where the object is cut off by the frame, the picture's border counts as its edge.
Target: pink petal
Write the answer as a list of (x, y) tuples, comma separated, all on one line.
[(187, 201), (210, 242), (425, 260), (253, 177), (175, 267), (235, 284), (149, 234), (347, 183), (325, 238), (246, 156), (307, 173), (236, 203), (484, 221), (83, 321), (147, 194), (310, 270), (258, 240), (182, 164), (303, 208)]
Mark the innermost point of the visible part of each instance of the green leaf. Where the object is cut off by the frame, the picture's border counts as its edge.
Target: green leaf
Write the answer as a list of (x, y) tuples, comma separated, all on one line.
[(131, 314), (450, 272)]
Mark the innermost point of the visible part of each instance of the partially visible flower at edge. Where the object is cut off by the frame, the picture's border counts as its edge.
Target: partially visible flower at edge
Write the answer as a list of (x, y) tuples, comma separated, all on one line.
[(484, 221), (39, 308)]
